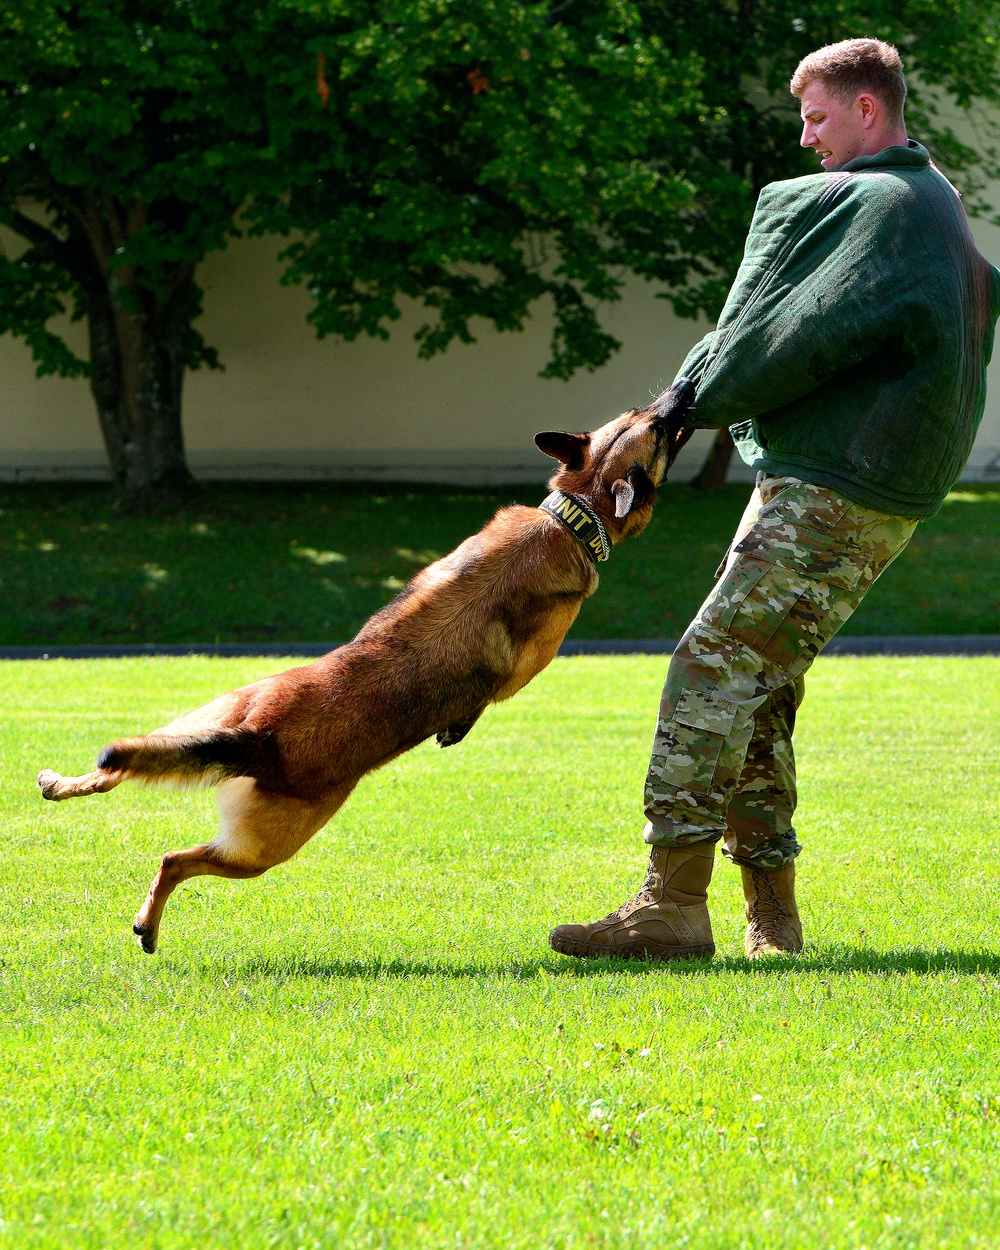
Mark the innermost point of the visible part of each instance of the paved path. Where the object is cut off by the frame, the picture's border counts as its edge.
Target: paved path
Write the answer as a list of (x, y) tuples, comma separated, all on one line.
[(931, 644)]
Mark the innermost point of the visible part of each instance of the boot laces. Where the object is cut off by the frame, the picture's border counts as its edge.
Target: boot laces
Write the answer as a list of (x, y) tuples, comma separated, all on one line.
[(646, 895), (769, 910)]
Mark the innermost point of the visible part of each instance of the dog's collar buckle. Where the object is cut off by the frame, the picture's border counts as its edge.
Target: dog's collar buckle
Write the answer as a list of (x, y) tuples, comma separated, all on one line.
[(581, 521)]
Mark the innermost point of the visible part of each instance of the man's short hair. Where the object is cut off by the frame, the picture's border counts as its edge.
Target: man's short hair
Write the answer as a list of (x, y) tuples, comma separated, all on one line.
[(852, 66)]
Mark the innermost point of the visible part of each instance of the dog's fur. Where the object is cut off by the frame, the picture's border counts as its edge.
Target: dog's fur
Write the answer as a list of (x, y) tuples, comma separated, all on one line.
[(469, 630)]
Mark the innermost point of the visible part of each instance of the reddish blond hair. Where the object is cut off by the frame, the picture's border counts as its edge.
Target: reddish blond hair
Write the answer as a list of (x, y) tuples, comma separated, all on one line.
[(852, 66)]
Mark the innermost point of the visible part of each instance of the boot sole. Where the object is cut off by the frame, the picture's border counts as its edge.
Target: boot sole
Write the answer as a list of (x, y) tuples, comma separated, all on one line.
[(773, 952), (661, 954)]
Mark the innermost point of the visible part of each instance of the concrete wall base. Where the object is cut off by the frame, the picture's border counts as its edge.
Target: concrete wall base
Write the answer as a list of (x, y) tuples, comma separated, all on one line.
[(472, 467)]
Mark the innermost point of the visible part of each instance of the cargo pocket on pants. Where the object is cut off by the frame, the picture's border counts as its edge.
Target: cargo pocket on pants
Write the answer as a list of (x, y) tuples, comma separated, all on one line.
[(731, 593), (775, 596), (796, 604), (691, 741), (808, 552)]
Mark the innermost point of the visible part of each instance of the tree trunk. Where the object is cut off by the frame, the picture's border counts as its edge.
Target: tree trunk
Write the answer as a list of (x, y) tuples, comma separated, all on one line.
[(105, 383), (137, 355), (712, 475), (140, 344)]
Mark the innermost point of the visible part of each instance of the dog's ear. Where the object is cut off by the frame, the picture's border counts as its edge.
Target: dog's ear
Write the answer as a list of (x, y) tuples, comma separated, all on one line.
[(624, 497), (560, 445), (636, 490)]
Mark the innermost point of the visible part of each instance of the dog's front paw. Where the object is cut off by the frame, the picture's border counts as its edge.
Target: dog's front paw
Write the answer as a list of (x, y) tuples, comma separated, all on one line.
[(454, 733)]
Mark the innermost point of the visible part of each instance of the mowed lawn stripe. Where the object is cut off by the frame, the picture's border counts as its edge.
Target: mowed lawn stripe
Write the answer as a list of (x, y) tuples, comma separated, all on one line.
[(373, 1045)]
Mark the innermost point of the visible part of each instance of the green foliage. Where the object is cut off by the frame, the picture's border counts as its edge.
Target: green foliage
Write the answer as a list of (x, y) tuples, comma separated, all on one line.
[(486, 156), (287, 563), (373, 1046), (475, 158)]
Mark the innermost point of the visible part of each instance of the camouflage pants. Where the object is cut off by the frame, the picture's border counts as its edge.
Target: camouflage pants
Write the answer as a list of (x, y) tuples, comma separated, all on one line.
[(722, 765)]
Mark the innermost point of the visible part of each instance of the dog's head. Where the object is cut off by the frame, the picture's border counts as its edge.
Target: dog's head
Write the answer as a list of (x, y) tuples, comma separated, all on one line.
[(618, 467)]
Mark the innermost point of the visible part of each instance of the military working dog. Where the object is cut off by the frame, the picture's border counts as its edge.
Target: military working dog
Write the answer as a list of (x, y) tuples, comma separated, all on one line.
[(469, 630)]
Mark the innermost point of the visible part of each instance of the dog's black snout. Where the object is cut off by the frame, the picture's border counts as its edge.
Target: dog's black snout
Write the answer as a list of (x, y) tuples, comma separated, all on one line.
[(672, 405)]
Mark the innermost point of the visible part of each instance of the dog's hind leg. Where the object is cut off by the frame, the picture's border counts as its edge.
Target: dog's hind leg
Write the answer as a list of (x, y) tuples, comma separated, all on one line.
[(257, 830), (167, 754), (175, 867), (55, 786)]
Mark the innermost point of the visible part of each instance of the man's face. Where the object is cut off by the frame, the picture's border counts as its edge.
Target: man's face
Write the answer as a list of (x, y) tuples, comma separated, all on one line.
[(834, 130)]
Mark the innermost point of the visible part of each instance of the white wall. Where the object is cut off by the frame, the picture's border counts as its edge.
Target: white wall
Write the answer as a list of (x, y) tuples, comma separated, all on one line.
[(288, 405)]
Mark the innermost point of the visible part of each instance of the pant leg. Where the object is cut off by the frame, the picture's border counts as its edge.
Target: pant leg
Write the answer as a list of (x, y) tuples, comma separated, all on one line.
[(685, 672), (791, 581), (759, 828)]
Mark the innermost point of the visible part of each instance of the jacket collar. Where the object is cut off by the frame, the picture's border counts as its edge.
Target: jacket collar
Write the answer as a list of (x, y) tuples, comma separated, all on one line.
[(913, 154)]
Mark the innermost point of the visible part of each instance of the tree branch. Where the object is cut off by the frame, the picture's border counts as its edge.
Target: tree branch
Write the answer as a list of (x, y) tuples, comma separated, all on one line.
[(36, 234), (62, 252)]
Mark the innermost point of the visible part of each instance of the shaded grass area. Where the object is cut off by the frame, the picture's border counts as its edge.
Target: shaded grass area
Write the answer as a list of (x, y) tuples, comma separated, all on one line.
[(373, 1045), (267, 562)]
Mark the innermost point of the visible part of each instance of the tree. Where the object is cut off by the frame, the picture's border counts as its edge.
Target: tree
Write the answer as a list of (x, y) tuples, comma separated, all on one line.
[(473, 157), (477, 158)]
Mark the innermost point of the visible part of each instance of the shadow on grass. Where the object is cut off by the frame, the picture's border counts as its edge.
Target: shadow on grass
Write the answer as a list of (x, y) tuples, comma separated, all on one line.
[(837, 960)]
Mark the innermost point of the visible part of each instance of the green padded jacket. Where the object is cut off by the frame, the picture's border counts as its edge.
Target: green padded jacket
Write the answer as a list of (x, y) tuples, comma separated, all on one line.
[(852, 349)]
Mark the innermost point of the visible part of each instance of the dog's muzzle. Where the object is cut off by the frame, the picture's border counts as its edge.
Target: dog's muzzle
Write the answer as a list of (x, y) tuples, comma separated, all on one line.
[(671, 412)]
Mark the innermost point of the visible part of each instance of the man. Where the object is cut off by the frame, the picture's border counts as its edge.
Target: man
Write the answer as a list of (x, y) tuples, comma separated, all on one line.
[(850, 362)]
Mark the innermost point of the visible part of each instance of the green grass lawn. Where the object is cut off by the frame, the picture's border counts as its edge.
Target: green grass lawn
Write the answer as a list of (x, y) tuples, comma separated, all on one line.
[(372, 1046), (295, 563)]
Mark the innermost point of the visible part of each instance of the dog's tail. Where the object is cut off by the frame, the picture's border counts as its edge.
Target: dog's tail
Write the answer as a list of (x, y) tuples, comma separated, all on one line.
[(188, 760)]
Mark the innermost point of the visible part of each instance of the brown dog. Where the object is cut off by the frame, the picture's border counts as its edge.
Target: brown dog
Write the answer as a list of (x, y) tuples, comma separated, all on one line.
[(469, 630)]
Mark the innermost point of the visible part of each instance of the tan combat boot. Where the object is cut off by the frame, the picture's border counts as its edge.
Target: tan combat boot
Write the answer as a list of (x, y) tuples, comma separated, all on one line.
[(667, 919), (773, 924)]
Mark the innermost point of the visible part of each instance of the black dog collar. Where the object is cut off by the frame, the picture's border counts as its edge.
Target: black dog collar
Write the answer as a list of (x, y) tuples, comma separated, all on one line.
[(581, 521)]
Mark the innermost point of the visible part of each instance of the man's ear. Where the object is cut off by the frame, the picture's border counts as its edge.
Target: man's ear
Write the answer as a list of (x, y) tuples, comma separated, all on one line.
[(560, 445), (637, 490)]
